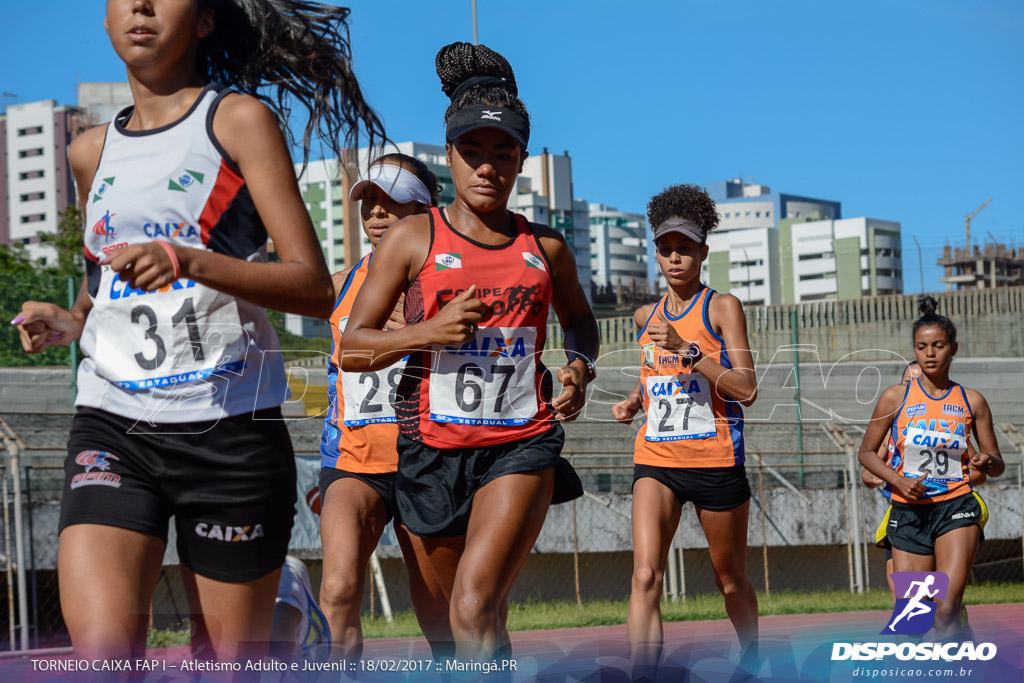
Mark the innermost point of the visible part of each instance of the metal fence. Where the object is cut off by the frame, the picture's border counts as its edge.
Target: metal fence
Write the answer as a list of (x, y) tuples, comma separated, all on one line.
[(811, 523)]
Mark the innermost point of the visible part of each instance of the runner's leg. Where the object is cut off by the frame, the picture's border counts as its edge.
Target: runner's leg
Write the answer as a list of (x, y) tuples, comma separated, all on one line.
[(352, 520), (107, 576)]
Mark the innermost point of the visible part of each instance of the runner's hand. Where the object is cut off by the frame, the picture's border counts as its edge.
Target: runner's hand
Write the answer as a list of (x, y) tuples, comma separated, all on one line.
[(625, 411), (456, 323), (397, 319), (981, 461), (911, 489), (41, 325), (144, 266), (665, 336), (569, 403)]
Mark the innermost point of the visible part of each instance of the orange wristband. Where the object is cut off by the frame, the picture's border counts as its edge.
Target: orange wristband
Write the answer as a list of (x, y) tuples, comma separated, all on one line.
[(174, 258)]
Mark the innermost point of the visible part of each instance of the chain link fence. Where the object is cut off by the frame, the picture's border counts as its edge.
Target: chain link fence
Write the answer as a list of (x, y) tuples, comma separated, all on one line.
[(811, 523)]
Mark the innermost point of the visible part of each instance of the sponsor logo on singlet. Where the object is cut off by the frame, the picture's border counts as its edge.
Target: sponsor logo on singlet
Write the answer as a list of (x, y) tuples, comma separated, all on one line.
[(170, 229), (183, 181), (229, 533), (952, 409), (501, 300), (105, 228), (916, 410)]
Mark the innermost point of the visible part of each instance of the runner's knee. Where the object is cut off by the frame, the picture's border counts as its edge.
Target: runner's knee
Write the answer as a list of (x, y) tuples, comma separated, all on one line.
[(646, 579)]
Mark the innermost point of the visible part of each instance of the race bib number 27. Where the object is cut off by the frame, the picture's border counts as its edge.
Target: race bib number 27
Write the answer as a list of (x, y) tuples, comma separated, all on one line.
[(680, 408)]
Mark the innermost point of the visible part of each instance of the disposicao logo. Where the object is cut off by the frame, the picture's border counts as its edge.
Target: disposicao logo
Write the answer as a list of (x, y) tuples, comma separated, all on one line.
[(914, 615)]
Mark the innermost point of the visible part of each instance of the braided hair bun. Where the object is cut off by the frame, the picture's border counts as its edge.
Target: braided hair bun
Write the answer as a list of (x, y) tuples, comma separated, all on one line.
[(477, 75)]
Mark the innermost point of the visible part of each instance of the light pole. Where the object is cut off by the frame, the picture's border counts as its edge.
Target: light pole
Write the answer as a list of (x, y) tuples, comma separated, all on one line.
[(475, 41), (920, 262)]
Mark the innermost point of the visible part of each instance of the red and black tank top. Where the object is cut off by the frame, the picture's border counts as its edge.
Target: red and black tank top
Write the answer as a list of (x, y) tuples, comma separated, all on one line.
[(492, 389)]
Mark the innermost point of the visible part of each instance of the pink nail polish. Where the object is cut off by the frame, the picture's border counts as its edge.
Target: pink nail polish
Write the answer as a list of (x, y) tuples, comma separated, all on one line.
[(18, 320)]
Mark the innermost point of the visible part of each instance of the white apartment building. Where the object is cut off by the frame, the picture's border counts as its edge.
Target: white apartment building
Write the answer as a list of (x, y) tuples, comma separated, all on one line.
[(543, 194), (618, 248), (36, 182)]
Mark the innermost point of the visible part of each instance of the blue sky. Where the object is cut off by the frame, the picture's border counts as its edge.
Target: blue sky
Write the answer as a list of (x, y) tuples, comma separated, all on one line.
[(907, 111)]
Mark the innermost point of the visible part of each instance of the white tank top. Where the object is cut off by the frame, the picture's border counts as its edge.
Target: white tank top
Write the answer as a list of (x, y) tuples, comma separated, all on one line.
[(186, 352)]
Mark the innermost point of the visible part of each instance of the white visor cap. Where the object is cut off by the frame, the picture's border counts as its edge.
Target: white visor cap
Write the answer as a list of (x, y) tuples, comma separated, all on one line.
[(399, 184)]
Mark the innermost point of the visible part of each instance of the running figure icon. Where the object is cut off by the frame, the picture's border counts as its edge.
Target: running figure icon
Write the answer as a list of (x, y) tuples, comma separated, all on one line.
[(915, 607)]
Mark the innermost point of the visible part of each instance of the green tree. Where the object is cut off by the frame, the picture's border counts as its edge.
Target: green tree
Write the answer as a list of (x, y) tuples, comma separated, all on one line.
[(68, 242)]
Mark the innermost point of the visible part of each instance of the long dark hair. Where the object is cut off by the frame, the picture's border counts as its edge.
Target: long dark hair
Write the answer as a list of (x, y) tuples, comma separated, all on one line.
[(298, 51)]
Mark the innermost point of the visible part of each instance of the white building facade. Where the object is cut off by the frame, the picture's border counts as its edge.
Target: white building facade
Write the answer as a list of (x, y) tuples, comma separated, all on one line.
[(618, 248)]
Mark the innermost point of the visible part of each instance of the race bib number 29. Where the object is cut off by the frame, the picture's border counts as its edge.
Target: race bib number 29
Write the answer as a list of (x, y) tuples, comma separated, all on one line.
[(490, 380), (933, 455)]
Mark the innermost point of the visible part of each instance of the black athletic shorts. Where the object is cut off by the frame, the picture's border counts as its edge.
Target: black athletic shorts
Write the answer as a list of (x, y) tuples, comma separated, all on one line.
[(229, 483), (913, 527), (436, 487), (709, 488), (384, 485)]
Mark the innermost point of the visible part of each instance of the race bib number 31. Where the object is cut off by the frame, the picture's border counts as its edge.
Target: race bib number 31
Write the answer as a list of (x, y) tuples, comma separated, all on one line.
[(490, 380), (933, 455), (680, 408), (183, 333)]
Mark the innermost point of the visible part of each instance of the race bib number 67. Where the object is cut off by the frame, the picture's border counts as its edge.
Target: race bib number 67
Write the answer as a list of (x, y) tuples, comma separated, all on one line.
[(489, 380)]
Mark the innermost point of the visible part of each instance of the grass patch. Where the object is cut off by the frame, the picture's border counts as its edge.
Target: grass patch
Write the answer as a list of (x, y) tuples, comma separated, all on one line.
[(530, 616)]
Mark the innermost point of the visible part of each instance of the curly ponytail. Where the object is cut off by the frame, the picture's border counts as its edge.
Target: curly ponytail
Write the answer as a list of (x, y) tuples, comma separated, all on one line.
[(299, 51)]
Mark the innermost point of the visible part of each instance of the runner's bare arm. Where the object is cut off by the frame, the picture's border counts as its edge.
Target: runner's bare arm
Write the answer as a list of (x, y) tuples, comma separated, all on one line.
[(725, 314), (397, 261), (44, 324), (577, 320), (300, 282), (881, 422), (624, 411), (988, 459)]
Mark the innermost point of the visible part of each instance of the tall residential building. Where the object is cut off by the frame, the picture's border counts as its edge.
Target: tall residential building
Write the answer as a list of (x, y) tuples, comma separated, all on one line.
[(780, 248), (543, 194), (618, 248), (36, 183)]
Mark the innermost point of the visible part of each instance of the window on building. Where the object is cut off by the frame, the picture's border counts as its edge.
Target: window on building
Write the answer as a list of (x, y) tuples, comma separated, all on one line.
[(814, 276), (32, 130), (748, 214), (767, 214), (816, 257), (337, 202), (29, 175), (33, 218), (757, 214), (32, 196), (339, 242), (34, 152)]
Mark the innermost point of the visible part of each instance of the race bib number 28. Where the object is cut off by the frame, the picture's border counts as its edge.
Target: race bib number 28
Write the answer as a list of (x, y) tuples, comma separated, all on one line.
[(490, 380)]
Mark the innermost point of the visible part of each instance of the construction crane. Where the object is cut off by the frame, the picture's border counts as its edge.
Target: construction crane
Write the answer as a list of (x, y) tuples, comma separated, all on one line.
[(967, 224)]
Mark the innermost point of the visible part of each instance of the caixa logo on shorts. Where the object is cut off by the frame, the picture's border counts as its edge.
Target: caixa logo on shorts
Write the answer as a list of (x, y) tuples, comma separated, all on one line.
[(229, 533), (97, 470)]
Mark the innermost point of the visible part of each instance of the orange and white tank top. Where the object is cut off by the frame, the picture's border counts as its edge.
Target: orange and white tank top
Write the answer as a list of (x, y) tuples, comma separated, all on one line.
[(689, 423), (492, 389), (360, 430), (930, 437)]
